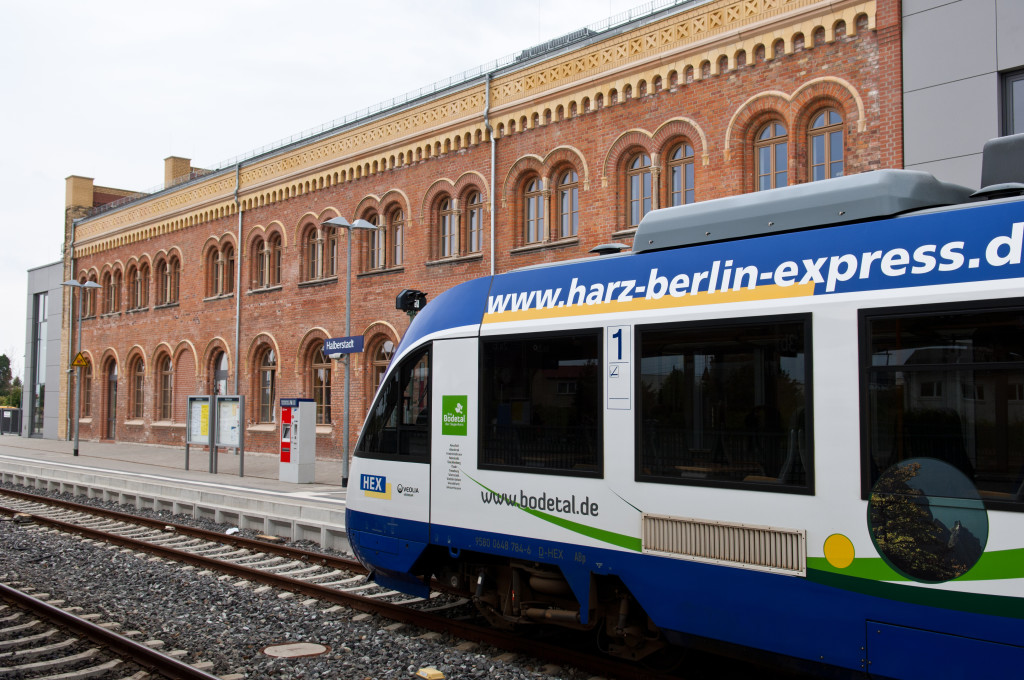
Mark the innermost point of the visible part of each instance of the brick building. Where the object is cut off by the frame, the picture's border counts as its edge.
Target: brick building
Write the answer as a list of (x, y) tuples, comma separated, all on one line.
[(228, 275)]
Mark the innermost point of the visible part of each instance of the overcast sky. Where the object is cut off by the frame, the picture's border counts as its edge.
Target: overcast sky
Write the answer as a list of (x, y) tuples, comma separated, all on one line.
[(108, 89)]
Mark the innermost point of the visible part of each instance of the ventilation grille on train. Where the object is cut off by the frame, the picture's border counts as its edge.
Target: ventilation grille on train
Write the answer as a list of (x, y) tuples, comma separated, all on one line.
[(737, 545)]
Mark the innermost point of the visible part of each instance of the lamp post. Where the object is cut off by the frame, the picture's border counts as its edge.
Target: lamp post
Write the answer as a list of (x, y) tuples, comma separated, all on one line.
[(78, 375), (342, 223)]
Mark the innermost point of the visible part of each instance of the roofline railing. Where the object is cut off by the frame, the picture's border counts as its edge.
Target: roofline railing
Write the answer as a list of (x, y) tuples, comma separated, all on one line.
[(591, 32)]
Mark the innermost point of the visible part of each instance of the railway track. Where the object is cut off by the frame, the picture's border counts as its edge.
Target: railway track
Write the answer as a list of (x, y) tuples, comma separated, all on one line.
[(39, 639), (327, 578)]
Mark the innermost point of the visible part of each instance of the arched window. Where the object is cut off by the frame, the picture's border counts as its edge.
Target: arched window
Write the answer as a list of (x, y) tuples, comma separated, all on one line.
[(568, 204), (133, 288), (173, 279), (826, 145), (330, 236), (396, 227), (475, 221), (274, 262), (680, 175), (161, 282), (259, 264), (313, 252), (376, 240), (85, 403), (215, 278), (771, 153), (111, 400), (168, 276), (165, 398), (533, 211), (638, 178), (219, 382), (320, 379), (138, 287), (109, 293), (228, 258), (137, 394), (449, 228), (267, 384), (88, 298), (379, 365)]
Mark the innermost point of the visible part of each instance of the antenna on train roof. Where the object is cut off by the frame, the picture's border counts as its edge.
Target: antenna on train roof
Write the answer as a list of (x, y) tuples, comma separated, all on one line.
[(609, 248)]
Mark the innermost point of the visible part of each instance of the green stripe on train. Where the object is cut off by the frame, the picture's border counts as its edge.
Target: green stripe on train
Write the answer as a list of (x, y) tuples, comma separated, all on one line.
[(610, 537)]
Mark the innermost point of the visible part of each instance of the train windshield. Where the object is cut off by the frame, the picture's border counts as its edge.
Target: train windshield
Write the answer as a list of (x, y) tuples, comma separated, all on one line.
[(399, 422)]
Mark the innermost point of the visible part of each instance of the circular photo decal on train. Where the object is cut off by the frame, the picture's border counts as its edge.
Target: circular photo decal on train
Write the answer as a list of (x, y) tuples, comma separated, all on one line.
[(927, 520)]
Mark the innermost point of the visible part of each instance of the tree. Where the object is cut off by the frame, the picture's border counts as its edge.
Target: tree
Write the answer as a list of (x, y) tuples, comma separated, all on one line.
[(14, 396), (5, 375)]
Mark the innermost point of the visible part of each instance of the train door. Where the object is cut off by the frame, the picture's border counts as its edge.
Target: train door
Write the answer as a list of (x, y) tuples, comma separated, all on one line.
[(389, 508)]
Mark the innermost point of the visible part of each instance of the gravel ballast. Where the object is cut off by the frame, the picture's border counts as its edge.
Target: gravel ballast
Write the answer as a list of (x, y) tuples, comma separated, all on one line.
[(227, 624)]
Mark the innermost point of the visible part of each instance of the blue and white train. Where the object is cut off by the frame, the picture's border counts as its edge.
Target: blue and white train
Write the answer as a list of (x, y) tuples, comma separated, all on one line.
[(790, 421)]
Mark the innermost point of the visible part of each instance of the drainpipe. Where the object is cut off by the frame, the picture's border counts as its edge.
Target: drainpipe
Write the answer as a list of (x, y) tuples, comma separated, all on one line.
[(238, 275), (494, 142), (71, 334)]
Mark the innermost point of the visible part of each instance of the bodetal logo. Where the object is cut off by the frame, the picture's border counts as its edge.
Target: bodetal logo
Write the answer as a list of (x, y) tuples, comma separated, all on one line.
[(455, 415)]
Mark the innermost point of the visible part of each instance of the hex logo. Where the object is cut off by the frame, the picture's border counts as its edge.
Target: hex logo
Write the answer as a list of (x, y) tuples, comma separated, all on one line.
[(375, 486), (455, 415)]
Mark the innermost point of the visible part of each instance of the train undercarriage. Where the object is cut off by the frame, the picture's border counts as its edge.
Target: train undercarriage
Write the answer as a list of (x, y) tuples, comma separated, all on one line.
[(513, 594)]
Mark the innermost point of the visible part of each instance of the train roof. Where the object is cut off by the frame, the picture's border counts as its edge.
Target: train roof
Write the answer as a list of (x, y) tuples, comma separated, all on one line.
[(853, 198)]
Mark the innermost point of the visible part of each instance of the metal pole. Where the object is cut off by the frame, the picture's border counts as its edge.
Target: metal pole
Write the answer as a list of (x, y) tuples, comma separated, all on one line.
[(78, 373), (348, 374)]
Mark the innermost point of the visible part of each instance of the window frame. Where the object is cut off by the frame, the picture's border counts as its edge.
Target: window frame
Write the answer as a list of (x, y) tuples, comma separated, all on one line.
[(138, 388), (864, 368), (376, 242), (85, 398), (681, 164), (405, 367), (165, 393), (567, 190), (533, 211), (312, 246), (1008, 80), (772, 143), (396, 231), (227, 258), (715, 325), (448, 227), (266, 394), (474, 221), (320, 367), (597, 334), (826, 132), (639, 178)]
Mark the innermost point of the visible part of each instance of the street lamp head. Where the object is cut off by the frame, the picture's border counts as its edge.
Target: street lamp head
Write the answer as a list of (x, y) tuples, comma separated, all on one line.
[(339, 222), (76, 284), (342, 223)]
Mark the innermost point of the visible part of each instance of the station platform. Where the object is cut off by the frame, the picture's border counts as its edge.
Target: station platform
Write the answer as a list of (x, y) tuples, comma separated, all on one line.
[(154, 477)]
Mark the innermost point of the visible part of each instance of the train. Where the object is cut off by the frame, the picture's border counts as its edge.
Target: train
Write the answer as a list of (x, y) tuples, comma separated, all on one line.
[(788, 423)]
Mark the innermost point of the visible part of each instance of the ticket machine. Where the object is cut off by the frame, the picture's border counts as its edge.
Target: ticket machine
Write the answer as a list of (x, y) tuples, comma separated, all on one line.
[(298, 441)]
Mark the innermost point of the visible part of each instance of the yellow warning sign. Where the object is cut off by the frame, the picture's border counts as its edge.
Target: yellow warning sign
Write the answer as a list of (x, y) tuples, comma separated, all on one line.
[(80, 361)]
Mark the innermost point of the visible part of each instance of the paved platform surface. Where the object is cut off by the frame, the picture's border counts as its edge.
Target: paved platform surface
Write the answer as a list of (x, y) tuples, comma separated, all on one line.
[(155, 476)]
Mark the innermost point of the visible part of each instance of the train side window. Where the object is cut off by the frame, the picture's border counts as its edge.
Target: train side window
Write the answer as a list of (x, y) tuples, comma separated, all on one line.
[(946, 382), (726, 404), (399, 421), (540, 404)]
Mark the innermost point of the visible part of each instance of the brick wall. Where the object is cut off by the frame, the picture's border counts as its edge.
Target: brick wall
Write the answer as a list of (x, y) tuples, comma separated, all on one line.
[(857, 74)]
